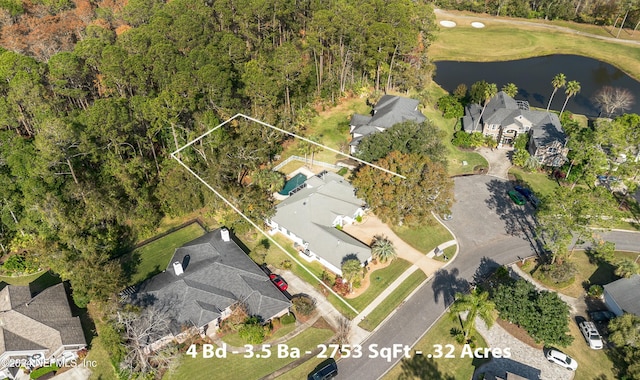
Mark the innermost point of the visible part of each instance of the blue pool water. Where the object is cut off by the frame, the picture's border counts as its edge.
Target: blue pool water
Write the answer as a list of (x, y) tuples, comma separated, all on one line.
[(294, 182)]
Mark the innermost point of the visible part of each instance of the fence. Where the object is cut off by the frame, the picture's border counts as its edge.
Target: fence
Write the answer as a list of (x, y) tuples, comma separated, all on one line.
[(302, 159)]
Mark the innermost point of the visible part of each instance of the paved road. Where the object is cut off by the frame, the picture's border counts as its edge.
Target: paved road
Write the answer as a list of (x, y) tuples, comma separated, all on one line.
[(491, 231)]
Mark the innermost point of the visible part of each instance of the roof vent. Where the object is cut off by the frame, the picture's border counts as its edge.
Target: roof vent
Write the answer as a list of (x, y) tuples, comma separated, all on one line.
[(224, 233), (177, 267)]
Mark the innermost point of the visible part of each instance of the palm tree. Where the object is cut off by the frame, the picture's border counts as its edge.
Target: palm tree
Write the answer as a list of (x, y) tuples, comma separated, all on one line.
[(573, 87), (626, 268), (558, 81), (489, 91), (510, 89), (477, 304), (382, 249)]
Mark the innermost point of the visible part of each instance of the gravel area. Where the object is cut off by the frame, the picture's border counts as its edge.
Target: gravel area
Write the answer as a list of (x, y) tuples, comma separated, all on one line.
[(525, 360)]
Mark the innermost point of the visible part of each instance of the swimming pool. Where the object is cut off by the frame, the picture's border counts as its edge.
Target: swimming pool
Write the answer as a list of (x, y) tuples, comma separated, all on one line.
[(294, 182)]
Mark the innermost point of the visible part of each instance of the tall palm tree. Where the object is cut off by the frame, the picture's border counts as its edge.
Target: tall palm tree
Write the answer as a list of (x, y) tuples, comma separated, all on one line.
[(477, 304), (490, 90), (573, 87), (558, 81), (382, 249), (510, 89)]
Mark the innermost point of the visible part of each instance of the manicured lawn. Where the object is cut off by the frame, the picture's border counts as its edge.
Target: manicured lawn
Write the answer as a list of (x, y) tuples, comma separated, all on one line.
[(424, 238), (593, 364), (103, 370), (154, 257), (332, 126), (396, 297), (26, 280), (238, 367), (448, 253), (586, 271), (303, 370), (455, 156), (458, 368), (538, 182), (523, 41), (379, 280)]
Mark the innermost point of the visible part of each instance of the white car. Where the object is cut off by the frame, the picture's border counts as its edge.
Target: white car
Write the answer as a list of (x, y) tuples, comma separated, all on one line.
[(591, 335), (561, 359)]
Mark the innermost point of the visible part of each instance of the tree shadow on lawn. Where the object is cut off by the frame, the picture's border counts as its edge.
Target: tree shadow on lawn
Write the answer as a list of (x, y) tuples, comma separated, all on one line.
[(420, 367), (519, 220), (446, 284)]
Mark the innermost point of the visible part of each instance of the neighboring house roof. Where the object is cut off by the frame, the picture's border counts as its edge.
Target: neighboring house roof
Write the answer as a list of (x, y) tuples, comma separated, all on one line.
[(310, 214), (626, 293), (547, 129), (41, 322), (216, 274), (389, 111)]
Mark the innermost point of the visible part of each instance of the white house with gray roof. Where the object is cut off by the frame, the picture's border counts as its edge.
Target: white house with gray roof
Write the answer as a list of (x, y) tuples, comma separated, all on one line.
[(505, 118), (36, 329), (389, 111), (311, 216), (623, 296), (204, 278)]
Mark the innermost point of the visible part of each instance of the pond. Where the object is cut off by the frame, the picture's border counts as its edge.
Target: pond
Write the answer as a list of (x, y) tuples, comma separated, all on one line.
[(533, 78)]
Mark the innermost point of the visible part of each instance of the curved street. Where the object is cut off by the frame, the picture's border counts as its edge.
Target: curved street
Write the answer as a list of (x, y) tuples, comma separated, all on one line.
[(491, 231)]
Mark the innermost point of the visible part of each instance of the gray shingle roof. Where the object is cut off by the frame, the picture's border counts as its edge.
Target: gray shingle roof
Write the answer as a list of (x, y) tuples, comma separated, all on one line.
[(389, 111), (547, 128), (626, 293), (310, 213), (40, 322), (216, 275)]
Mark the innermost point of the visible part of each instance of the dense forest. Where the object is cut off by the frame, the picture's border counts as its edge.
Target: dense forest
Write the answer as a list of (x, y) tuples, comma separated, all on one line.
[(621, 13), (86, 134)]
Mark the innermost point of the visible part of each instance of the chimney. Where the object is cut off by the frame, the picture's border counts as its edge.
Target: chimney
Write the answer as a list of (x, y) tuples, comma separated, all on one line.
[(224, 233), (177, 267)]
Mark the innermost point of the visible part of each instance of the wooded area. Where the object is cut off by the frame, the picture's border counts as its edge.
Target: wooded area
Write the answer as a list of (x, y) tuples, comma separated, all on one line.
[(85, 134)]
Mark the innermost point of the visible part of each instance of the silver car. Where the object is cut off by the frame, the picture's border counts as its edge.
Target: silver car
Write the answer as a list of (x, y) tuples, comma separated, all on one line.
[(557, 357)]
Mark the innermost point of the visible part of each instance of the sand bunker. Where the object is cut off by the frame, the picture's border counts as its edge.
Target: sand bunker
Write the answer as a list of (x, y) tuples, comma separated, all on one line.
[(447, 23), (477, 24)]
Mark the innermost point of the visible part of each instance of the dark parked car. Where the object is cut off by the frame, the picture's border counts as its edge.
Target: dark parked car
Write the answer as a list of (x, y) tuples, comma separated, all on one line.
[(527, 193), (279, 282), (517, 197), (326, 370)]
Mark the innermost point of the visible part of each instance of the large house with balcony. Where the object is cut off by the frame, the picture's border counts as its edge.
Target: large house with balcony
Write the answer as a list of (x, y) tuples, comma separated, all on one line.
[(312, 218), (389, 111), (505, 118)]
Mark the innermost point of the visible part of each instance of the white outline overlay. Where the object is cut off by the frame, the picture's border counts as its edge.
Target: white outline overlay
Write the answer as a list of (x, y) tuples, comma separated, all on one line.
[(234, 208)]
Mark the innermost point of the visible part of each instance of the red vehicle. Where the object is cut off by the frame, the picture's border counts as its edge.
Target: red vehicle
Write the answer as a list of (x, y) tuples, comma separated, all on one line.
[(279, 282)]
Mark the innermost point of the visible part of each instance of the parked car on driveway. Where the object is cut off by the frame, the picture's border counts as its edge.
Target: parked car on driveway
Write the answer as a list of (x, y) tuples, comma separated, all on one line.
[(561, 359), (516, 197), (591, 335), (279, 282), (528, 194)]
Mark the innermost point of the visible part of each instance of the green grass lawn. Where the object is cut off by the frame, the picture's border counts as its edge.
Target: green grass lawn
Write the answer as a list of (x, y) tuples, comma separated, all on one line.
[(235, 340), (458, 368), (154, 257), (104, 369), (424, 238), (42, 276), (593, 364), (519, 41), (390, 303), (379, 280), (588, 272), (540, 183), (448, 253), (238, 367)]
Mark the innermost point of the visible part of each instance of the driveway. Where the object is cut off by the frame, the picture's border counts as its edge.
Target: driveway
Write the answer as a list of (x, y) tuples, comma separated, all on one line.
[(499, 161), (491, 231), (372, 226)]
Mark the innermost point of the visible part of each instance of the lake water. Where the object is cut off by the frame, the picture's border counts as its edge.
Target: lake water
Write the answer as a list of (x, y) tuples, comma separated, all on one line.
[(533, 78)]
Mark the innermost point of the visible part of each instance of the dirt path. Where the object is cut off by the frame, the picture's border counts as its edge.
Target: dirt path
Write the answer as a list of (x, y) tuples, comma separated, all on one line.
[(442, 14), (372, 226)]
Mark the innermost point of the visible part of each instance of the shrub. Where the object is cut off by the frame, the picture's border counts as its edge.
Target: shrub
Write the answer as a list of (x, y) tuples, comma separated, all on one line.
[(559, 273), (340, 286), (595, 291), (36, 373), (19, 264), (303, 305), (359, 218), (288, 319), (462, 139), (343, 171), (252, 333), (286, 264)]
